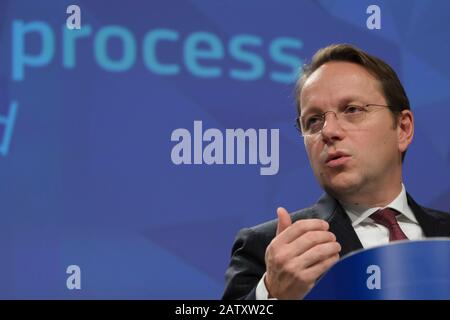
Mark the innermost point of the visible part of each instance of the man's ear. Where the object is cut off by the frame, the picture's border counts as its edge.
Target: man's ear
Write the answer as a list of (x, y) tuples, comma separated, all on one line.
[(405, 129)]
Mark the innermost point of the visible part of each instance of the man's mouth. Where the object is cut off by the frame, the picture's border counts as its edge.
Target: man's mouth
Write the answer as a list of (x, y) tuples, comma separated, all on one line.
[(336, 159)]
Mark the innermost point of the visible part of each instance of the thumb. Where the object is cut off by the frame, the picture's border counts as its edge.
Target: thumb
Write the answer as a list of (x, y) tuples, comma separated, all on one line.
[(284, 220)]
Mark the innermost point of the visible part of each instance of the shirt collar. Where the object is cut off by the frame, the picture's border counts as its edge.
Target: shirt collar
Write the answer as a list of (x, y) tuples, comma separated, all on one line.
[(359, 213)]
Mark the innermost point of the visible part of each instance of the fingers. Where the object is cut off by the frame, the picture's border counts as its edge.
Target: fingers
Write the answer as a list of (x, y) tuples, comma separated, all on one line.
[(300, 227), (315, 271), (284, 220), (292, 278), (309, 240), (323, 244), (298, 255), (318, 254)]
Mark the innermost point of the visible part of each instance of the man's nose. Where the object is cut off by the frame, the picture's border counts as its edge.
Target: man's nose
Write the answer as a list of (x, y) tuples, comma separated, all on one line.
[(332, 129)]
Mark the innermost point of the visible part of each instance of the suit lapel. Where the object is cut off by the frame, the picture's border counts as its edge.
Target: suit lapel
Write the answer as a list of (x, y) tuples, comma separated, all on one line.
[(340, 224), (432, 225)]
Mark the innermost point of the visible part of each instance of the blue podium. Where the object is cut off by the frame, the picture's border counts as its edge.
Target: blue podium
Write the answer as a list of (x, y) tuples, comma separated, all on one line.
[(401, 270)]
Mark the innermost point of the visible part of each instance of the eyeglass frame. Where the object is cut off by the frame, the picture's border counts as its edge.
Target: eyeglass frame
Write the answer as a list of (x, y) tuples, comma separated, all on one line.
[(298, 123)]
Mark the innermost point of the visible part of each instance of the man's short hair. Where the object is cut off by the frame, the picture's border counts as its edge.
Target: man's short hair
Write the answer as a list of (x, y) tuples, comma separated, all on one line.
[(391, 87)]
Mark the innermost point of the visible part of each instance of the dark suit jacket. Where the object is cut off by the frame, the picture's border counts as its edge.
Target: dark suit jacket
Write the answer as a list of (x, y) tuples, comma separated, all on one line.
[(247, 264)]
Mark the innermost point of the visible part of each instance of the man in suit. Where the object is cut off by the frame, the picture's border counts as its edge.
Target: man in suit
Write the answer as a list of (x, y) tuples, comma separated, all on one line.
[(355, 118)]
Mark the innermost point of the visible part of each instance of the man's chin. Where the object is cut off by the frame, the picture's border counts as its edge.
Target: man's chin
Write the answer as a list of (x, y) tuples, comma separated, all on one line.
[(341, 186)]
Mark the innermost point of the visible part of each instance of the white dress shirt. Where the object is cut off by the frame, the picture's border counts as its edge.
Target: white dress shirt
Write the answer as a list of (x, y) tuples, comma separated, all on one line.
[(371, 234)]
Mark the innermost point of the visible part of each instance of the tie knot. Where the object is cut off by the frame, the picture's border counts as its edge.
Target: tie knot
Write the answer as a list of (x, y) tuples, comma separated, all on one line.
[(386, 217)]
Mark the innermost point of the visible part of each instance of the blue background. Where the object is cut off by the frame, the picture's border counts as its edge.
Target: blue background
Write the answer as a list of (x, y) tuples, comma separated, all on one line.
[(88, 178)]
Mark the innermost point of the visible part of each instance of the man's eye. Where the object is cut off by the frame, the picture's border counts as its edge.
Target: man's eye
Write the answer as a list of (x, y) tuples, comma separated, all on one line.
[(312, 121), (354, 109)]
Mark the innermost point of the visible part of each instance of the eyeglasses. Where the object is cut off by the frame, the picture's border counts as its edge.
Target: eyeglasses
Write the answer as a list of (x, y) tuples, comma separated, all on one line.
[(350, 117)]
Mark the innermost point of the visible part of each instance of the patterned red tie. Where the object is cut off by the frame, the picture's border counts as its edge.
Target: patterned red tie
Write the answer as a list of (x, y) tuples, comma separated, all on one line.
[(386, 217)]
